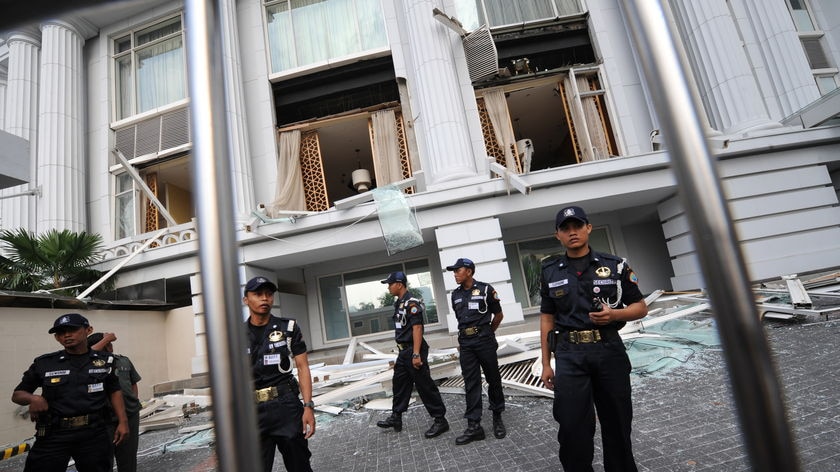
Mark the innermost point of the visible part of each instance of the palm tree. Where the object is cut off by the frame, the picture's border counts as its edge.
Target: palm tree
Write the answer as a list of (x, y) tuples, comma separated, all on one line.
[(58, 261)]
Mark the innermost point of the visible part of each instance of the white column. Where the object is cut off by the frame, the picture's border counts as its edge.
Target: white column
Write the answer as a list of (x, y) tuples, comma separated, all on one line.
[(243, 185), (61, 162), (775, 51), (480, 241), (20, 119), (4, 71), (727, 85), (437, 102)]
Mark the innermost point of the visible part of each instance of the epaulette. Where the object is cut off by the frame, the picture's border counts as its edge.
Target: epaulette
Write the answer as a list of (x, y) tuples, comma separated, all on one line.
[(549, 260), (49, 354)]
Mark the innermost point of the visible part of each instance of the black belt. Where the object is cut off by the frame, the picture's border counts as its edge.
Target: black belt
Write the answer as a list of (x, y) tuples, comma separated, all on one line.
[(473, 330), (270, 393), (588, 336)]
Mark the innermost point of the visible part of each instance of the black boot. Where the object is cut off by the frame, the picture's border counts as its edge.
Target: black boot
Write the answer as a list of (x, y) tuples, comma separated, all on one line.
[(498, 425), (393, 421), (474, 432), (439, 427)]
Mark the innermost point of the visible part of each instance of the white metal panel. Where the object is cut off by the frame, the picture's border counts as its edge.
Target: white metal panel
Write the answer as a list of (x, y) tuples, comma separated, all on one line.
[(782, 202), (779, 181)]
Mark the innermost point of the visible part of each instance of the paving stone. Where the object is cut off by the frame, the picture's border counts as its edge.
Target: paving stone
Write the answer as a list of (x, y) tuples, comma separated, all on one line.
[(685, 420)]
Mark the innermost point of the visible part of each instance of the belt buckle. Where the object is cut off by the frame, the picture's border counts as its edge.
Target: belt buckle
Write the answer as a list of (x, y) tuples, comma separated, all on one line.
[(471, 331), (586, 337), (76, 421), (262, 395)]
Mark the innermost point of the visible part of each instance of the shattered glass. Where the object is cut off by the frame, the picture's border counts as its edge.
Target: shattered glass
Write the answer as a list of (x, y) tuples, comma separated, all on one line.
[(398, 222)]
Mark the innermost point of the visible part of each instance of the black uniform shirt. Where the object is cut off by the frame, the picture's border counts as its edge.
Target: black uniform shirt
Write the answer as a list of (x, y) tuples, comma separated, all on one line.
[(569, 296), (475, 306), (272, 350), (73, 385), (408, 312)]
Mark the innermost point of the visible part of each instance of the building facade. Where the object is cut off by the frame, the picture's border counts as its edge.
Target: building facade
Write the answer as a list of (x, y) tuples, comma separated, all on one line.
[(368, 136)]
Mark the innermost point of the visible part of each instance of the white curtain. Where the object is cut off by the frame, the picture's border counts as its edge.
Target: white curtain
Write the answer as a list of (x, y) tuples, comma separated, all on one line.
[(497, 109), (289, 195), (304, 32), (591, 135), (386, 150), (161, 74)]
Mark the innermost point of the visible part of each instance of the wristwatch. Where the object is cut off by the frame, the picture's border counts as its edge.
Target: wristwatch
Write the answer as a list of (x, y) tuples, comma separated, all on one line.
[(309, 404), (415, 356)]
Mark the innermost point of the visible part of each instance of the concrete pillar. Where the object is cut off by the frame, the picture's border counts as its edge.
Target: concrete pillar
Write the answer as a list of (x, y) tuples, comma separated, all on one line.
[(725, 80), (243, 185), (437, 101), (481, 241), (776, 53), (20, 119), (4, 72), (61, 161)]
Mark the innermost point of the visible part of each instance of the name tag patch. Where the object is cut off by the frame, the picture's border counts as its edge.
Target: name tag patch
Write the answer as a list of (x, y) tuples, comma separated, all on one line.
[(271, 359), (558, 283), (276, 345), (98, 371), (472, 305), (603, 282), (97, 387), (398, 325), (57, 373)]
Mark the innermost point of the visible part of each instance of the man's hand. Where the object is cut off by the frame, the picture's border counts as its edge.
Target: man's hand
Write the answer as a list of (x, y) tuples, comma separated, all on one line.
[(602, 317), (416, 362), (548, 376), (121, 433), (308, 421), (37, 405)]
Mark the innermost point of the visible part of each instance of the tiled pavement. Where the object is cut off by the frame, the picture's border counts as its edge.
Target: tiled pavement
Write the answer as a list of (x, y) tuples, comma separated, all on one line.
[(684, 421)]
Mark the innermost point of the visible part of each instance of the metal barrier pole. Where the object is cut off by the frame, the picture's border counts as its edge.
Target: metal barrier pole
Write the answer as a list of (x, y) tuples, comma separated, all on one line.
[(234, 414), (757, 391)]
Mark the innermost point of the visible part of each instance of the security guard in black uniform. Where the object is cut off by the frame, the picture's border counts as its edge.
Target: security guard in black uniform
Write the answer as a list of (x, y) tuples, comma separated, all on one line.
[(284, 422), (586, 298), (72, 410), (473, 303), (412, 365)]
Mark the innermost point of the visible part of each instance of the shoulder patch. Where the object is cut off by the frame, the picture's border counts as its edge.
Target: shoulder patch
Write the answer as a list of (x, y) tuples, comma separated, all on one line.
[(633, 277)]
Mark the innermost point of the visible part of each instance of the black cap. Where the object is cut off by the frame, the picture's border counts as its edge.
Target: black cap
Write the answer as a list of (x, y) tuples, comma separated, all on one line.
[(396, 277), (95, 338), (258, 282), (70, 320), (571, 213), (462, 262)]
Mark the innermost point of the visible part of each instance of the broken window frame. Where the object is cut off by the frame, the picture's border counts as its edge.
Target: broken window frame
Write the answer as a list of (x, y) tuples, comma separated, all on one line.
[(313, 163), (578, 121), (145, 216)]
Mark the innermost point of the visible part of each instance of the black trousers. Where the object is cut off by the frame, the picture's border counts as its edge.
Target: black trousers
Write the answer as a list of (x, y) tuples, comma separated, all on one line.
[(590, 377), (406, 377), (90, 447), (477, 354), (281, 429)]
